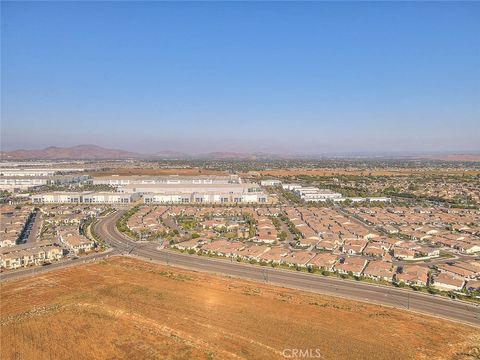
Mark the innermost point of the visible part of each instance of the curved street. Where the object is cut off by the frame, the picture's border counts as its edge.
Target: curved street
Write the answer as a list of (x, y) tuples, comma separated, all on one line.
[(399, 298), (404, 299)]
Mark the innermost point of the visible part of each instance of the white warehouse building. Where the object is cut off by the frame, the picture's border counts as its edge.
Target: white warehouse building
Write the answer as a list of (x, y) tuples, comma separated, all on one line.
[(270, 182), (17, 183), (115, 180), (291, 187), (86, 197), (315, 194), (37, 171), (197, 194)]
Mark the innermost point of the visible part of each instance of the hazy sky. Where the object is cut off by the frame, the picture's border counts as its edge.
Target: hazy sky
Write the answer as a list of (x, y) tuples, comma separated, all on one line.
[(276, 77)]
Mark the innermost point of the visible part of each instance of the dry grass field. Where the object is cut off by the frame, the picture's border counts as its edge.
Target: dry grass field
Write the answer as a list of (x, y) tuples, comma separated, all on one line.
[(128, 309), (157, 172)]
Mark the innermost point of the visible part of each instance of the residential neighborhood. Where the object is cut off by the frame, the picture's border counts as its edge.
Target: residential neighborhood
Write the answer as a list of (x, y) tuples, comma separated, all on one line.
[(240, 180), (40, 236), (351, 242)]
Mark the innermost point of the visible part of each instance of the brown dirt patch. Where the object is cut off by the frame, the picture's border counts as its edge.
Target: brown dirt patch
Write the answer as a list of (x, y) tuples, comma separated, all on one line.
[(129, 309), (157, 172)]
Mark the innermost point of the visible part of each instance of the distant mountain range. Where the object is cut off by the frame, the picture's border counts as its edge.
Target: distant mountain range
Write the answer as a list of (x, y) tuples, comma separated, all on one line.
[(79, 152), (94, 152)]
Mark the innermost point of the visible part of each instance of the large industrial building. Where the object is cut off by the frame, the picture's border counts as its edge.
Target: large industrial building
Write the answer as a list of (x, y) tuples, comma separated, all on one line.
[(21, 182), (311, 193), (176, 189), (37, 171), (85, 197), (314, 194), (270, 182), (164, 190), (171, 179), (193, 193)]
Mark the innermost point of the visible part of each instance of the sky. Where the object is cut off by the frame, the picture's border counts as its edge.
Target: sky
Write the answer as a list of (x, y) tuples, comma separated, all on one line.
[(278, 77)]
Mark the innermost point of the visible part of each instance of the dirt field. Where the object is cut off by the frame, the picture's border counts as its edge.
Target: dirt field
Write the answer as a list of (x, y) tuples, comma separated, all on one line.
[(128, 309), (157, 172)]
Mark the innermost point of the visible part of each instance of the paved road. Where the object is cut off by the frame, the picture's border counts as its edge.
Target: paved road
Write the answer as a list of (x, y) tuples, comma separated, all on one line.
[(23, 272), (36, 227), (399, 298)]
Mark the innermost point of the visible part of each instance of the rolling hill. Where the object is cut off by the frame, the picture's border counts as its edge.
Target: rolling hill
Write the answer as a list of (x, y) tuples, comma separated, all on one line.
[(79, 152)]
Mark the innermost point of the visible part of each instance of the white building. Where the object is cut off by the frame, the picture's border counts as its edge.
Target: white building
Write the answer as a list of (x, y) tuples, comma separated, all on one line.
[(291, 187), (197, 194), (271, 182), (110, 198), (379, 199), (316, 194), (356, 199), (86, 197), (36, 171), (166, 180), (36, 253), (23, 182), (447, 282)]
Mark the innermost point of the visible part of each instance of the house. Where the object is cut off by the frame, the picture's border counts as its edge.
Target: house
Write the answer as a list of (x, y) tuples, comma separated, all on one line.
[(211, 224), (324, 261), (388, 241), (353, 246), (468, 248), (299, 258), (390, 229), (473, 266), (352, 264), (307, 242), (223, 248), (266, 232), (76, 243), (193, 244), (8, 240), (36, 253), (412, 275), (267, 237), (275, 255), (404, 254), (427, 252), (456, 271), (12, 260), (53, 252), (447, 282), (326, 245), (379, 270), (473, 285), (253, 252), (373, 250)]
